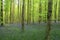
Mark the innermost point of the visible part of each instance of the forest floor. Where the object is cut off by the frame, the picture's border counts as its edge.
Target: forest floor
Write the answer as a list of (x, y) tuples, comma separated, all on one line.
[(31, 32)]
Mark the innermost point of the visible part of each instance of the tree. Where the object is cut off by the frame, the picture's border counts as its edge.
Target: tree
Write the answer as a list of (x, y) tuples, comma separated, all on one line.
[(49, 19), (33, 13), (10, 10), (29, 12), (6, 9), (45, 11), (18, 11), (55, 10), (12, 7), (59, 12), (13, 10), (23, 15), (40, 10), (1, 13)]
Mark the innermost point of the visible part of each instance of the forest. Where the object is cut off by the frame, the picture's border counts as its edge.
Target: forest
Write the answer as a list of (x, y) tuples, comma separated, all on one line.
[(29, 19)]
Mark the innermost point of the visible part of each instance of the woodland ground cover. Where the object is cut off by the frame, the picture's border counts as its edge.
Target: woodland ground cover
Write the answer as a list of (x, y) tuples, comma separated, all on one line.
[(32, 32)]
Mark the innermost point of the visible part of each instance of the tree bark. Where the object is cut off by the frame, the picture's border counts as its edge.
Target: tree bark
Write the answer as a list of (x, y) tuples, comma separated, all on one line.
[(40, 10), (12, 7), (23, 15), (59, 12), (1, 13), (55, 11), (33, 13), (18, 11), (49, 20)]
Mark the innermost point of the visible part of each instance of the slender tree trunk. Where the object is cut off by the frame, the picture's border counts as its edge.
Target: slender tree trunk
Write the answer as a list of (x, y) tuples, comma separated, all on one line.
[(6, 12), (23, 15), (18, 11), (55, 10), (33, 13), (59, 12), (45, 12), (49, 20), (28, 12), (11, 11), (12, 7), (5, 16), (1, 13), (40, 11)]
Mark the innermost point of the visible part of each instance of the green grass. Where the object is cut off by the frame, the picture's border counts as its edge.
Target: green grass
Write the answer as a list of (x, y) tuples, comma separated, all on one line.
[(32, 32)]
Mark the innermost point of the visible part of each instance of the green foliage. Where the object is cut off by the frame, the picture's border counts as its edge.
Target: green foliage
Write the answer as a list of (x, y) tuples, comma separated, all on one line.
[(44, 9), (32, 32)]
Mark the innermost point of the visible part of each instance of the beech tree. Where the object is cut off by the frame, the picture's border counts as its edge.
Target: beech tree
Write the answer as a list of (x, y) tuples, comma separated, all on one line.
[(29, 12), (12, 10), (59, 12), (1, 13), (23, 11), (55, 11), (19, 11), (45, 11), (33, 13), (49, 19), (40, 10), (6, 10)]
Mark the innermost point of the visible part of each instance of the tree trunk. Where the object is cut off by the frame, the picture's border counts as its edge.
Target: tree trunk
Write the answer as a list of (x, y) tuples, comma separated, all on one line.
[(11, 11), (18, 11), (1, 13), (23, 15), (40, 11), (45, 11), (12, 7), (59, 12), (55, 11), (28, 12), (49, 20), (33, 13)]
